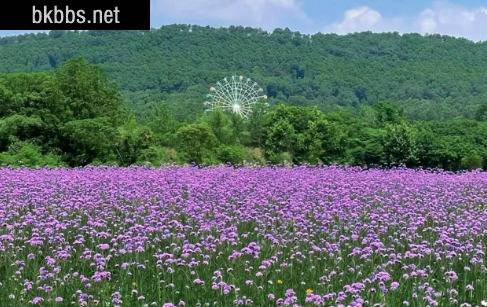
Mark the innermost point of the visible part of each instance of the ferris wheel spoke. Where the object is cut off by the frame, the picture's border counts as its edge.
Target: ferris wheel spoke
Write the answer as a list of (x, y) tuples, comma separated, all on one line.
[(236, 94)]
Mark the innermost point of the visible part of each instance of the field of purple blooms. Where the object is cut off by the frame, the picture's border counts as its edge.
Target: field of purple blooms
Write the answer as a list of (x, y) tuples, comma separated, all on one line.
[(259, 236)]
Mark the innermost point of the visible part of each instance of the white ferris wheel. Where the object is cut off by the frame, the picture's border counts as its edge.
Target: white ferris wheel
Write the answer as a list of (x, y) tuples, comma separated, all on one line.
[(236, 94)]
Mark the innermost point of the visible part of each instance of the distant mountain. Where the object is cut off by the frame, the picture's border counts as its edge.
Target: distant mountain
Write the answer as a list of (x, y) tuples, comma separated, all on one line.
[(430, 77)]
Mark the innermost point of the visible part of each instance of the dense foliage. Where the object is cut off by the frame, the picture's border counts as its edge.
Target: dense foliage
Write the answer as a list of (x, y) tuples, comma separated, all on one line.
[(431, 77), (361, 99), (254, 236)]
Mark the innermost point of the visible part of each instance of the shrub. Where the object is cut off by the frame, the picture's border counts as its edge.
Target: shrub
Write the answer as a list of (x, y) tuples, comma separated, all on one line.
[(230, 153), (254, 155), (154, 155), (472, 161), (29, 156)]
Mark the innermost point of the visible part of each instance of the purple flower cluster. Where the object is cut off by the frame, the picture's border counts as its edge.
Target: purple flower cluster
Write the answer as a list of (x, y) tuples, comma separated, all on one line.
[(182, 236)]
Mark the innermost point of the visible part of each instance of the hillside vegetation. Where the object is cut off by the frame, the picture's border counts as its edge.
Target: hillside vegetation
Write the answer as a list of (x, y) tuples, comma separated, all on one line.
[(135, 97), (431, 77)]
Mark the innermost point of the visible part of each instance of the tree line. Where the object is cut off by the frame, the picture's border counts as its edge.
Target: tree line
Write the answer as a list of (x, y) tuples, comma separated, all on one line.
[(74, 116)]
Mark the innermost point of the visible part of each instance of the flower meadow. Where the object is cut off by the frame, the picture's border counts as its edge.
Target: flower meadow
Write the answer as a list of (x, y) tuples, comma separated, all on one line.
[(253, 236)]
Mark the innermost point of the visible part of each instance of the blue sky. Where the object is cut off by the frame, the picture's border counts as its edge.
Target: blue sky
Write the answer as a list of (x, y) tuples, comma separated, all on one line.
[(464, 18)]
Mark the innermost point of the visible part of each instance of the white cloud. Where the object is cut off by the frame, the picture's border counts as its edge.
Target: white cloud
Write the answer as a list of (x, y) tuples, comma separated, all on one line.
[(442, 18), (262, 13), (364, 19)]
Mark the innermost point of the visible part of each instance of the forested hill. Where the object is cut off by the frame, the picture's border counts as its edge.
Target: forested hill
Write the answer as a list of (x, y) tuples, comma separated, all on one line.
[(430, 77)]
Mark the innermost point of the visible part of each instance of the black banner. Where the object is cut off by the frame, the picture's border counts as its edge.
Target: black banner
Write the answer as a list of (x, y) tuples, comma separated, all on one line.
[(75, 15)]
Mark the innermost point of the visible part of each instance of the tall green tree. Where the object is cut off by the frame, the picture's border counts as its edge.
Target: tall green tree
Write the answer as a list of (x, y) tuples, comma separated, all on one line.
[(195, 139), (304, 132), (221, 125), (162, 123), (87, 91), (88, 140), (472, 161), (400, 143), (132, 140), (387, 113), (255, 123)]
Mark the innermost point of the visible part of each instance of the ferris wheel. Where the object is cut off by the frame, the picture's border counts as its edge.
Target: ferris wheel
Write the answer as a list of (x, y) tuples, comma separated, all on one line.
[(235, 94)]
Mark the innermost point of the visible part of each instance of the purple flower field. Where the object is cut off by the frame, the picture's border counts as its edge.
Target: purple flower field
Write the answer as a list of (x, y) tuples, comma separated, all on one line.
[(258, 236)]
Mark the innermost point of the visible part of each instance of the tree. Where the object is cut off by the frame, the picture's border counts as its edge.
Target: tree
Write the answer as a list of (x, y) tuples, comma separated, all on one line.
[(132, 139), (29, 155), (86, 140), (162, 123), (153, 154), (368, 115), (400, 144), (481, 114), (20, 128), (304, 132), (472, 161), (279, 135), (87, 91), (386, 113), (366, 148), (194, 140), (429, 147), (221, 125), (255, 123), (230, 154)]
